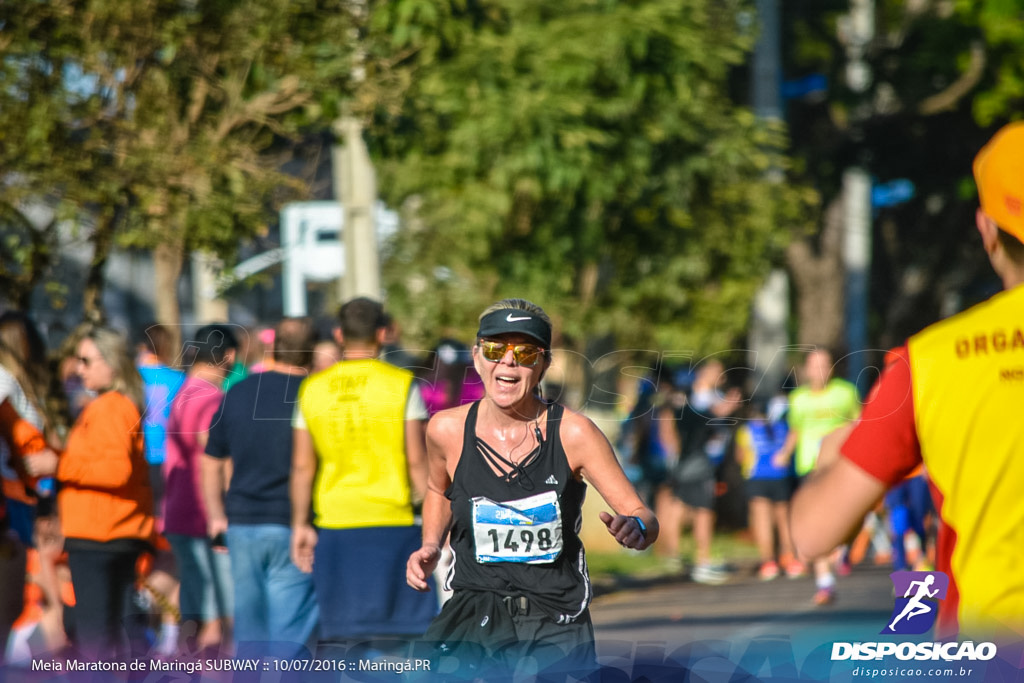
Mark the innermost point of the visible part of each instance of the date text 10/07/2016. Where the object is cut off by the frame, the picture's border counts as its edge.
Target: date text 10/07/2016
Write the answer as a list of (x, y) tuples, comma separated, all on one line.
[(388, 665)]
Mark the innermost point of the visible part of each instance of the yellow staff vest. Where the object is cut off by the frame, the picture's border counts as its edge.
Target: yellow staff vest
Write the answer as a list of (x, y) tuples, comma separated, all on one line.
[(968, 390), (355, 413)]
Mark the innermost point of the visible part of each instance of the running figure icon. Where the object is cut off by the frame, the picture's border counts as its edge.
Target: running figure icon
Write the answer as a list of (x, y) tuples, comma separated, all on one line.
[(915, 606)]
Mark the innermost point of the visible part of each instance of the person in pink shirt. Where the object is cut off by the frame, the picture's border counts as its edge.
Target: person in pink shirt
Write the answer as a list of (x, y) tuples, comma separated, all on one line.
[(203, 564)]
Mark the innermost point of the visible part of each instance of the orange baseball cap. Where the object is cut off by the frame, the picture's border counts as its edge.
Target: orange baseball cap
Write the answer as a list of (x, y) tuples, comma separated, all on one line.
[(999, 173)]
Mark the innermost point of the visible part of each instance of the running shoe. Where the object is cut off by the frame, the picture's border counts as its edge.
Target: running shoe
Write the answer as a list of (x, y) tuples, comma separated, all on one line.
[(824, 596), (769, 570), (795, 569), (708, 574), (672, 565)]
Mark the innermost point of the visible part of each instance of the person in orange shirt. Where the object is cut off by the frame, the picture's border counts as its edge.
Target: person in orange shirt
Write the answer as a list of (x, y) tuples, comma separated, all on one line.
[(23, 439), (24, 378), (40, 628), (105, 500)]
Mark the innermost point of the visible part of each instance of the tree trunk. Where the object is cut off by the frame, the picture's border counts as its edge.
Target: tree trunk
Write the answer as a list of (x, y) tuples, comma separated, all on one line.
[(818, 281), (19, 279), (102, 240), (588, 279), (44, 242), (168, 258)]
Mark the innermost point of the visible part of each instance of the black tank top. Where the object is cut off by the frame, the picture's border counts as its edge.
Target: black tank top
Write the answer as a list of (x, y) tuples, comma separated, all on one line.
[(519, 534)]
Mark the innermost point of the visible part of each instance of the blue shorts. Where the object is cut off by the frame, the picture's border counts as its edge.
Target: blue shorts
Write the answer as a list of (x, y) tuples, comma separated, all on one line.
[(775, 490), (359, 579)]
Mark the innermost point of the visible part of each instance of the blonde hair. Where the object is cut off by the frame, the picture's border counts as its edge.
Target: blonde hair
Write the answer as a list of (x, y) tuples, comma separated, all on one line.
[(517, 305), (23, 354), (113, 348)]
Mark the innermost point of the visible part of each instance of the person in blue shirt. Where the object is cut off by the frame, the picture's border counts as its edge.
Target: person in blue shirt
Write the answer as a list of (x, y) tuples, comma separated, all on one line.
[(769, 486), (161, 381)]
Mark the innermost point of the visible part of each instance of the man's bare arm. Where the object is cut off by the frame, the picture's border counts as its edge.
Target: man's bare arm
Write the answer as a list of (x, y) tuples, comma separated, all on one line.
[(830, 505), (300, 487), (416, 458)]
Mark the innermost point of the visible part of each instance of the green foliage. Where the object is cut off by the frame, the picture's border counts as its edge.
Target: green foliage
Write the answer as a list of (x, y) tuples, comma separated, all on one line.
[(157, 119), (1001, 23), (26, 251), (583, 154), (944, 75)]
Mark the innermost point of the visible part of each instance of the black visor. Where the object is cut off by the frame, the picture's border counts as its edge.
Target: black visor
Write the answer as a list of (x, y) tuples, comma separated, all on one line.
[(515, 321)]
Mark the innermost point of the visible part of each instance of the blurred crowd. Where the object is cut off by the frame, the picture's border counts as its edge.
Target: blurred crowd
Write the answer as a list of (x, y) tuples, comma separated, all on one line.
[(260, 486), (107, 543), (701, 448), (133, 560)]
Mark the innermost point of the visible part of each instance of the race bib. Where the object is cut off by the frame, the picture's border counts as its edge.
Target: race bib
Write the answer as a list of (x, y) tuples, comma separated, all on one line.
[(528, 530)]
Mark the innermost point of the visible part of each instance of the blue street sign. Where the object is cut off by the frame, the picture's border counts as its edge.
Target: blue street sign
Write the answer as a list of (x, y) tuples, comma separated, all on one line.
[(801, 87), (892, 193)]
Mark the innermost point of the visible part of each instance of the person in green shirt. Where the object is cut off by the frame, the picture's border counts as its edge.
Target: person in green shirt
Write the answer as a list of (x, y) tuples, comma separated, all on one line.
[(820, 406), (238, 369)]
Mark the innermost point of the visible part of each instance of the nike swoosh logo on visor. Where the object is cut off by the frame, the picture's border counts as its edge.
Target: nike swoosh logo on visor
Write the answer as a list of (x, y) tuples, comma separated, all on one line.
[(510, 319)]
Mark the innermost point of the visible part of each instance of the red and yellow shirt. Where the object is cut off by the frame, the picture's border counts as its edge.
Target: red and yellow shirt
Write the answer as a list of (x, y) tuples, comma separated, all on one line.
[(953, 398)]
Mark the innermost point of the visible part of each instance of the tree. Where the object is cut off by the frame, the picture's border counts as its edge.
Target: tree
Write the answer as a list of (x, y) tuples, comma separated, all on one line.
[(33, 145), (944, 74), (26, 253), (582, 154), (158, 116)]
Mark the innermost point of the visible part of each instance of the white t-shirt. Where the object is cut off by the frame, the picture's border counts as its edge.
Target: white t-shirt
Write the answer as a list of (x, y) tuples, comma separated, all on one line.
[(11, 391)]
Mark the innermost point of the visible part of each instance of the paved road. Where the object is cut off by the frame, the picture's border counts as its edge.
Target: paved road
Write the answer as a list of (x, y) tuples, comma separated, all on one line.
[(746, 624)]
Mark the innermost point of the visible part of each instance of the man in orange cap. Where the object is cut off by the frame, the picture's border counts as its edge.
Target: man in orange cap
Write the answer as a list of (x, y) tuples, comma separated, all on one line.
[(952, 399)]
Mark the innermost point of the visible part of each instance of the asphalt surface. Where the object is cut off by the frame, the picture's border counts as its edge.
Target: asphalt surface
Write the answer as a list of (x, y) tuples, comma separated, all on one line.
[(745, 629)]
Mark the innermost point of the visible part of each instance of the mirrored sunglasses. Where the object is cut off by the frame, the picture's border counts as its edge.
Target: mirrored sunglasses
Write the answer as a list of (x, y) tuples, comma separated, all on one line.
[(526, 355)]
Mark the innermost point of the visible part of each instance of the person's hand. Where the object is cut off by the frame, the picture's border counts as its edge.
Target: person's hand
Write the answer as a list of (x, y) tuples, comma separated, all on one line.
[(48, 539), (730, 403), (215, 526), (41, 463), (420, 566), (625, 529), (216, 531), (303, 544), (780, 459)]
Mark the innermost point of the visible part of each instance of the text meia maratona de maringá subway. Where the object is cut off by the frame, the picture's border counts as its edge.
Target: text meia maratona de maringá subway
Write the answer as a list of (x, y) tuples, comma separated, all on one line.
[(189, 667)]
